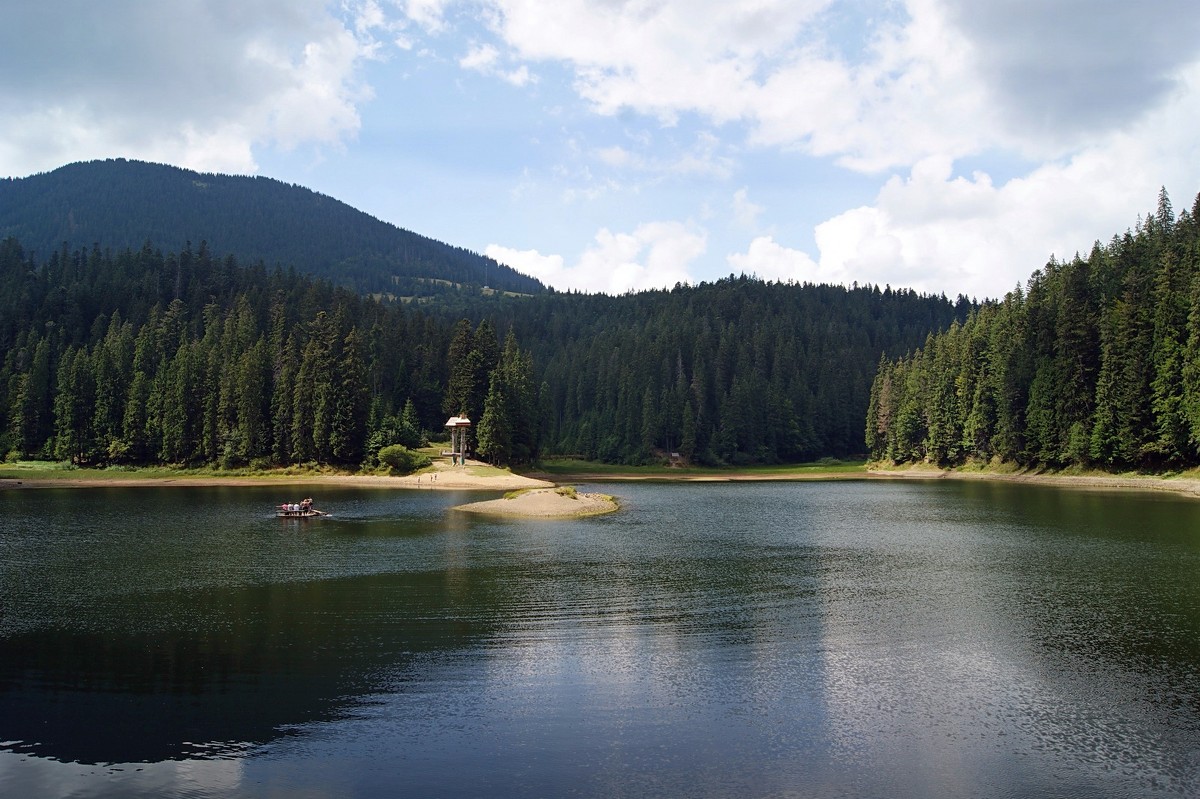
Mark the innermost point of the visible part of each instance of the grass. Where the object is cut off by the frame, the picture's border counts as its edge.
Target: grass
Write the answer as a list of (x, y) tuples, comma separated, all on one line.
[(570, 466), (62, 470), (487, 471), (516, 493)]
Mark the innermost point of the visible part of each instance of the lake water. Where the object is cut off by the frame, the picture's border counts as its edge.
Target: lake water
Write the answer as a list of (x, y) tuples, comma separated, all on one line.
[(839, 639)]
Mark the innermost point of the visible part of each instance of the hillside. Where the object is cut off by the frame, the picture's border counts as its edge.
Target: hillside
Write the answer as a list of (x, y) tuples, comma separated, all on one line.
[(1096, 364), (139, 357), (737, 371), (121, 204)]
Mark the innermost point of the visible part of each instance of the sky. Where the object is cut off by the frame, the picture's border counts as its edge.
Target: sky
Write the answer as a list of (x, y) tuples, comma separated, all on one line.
[(947, 146)]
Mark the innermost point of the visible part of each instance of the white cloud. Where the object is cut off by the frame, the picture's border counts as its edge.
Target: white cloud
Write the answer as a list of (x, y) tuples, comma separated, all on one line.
[(481, 58), (656, 255), (195, 84), (746, 213), (705, 157), (907, 94), (1059, 68), (1097, 99), (426, 13), (485, 59), (769, 260), (940, 233), (924, 78), (547, 268)]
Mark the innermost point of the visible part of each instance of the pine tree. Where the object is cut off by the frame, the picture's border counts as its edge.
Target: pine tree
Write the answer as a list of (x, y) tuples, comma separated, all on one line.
[(348, 429), (33, 422), (494, 432)]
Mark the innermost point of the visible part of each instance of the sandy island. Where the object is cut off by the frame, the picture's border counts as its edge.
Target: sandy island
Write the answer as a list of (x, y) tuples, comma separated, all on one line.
[(532, 498), (545, 503)]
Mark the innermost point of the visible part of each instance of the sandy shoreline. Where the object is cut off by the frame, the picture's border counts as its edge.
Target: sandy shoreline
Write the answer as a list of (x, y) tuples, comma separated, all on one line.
[(545, 503), (1178, 485), (477, 476), (443, 476)]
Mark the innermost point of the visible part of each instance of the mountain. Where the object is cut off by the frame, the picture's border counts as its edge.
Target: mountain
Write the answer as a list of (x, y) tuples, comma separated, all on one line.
[(120, 204)]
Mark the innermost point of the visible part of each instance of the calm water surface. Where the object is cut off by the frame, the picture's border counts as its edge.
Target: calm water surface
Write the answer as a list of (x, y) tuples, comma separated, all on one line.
[(843, 639)]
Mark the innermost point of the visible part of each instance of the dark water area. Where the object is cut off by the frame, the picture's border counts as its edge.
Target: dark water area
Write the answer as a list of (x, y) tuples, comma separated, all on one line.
[(840, 639)]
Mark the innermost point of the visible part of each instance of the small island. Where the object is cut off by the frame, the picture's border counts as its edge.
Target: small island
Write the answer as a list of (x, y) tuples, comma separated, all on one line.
[(563, 502)]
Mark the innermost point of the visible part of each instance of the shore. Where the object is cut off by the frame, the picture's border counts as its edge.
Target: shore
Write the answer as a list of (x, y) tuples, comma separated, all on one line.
[(1179, 485), (479, 476), (1188, 486), (442, 476)]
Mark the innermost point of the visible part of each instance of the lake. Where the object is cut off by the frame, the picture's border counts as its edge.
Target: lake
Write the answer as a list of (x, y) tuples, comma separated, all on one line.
[(831, 639)]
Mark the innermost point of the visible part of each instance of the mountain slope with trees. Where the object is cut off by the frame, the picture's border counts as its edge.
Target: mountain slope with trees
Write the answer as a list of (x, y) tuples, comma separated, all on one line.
[(142, 357), (275, 349), (736, 371), (145, 358), (121, 204), (1095, 363)]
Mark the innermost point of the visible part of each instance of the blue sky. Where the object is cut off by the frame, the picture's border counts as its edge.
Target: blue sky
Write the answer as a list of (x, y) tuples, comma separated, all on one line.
[(613, 145)]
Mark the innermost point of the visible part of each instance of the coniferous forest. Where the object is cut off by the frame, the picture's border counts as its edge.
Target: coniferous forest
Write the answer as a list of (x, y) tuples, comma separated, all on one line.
[(136, 356), (122, 204), (1095, 362), (737, 371), (145, 357)]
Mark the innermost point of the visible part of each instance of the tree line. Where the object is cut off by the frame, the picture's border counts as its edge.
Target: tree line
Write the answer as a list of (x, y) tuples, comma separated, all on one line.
[(144, 357), (1095, 362), (735, 371)]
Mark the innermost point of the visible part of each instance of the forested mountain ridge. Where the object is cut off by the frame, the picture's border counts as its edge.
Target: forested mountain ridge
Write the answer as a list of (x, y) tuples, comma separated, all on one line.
[(1095, 362), (122, 204), (736, 371), (139, 357)]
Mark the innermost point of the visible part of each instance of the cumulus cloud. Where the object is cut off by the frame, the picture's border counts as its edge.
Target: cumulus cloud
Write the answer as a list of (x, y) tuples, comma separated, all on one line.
[(766, 259), (876, 86), (1104, 94), (906, 93), (938, 232), (1060, 68), (199, 84), (656, 255)]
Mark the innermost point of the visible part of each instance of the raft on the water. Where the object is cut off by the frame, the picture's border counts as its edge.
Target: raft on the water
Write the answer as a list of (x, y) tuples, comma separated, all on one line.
[(298, 510), (298, 514)]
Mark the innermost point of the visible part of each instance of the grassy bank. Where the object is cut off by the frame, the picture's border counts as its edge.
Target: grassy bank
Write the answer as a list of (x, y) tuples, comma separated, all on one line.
[(1183, 482), (46, 470), (1004, 469), (569, 468)]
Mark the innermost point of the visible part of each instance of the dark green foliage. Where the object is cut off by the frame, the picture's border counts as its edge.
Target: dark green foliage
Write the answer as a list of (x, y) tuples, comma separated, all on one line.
[(388, 429), (1094, 363), (188, 360), (122, 204), (139, 357), (736, 371), (507, 432), (401, 460)]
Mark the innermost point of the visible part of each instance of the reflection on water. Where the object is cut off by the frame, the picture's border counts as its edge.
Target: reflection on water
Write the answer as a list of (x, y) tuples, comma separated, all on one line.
[(827, 639)]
